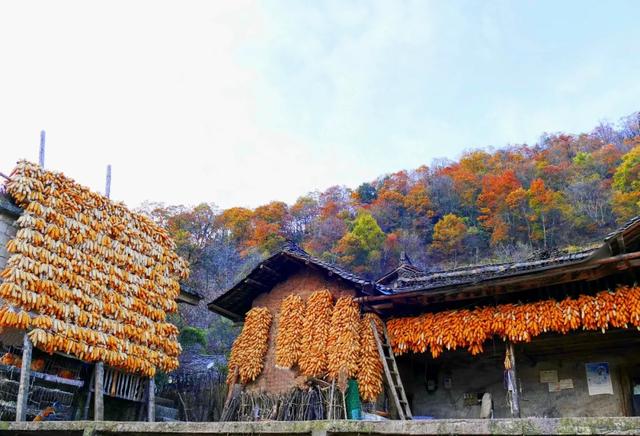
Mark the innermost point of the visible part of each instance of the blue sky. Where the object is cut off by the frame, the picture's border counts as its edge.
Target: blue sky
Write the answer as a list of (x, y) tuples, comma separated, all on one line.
[(243, 102)]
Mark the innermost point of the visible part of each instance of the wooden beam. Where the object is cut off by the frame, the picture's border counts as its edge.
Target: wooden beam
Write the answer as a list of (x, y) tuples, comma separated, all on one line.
[(232, 316), (185, 298), (256, 283), (151, 399), (98, 392), (512, 381), (25, 375), (270, 271)]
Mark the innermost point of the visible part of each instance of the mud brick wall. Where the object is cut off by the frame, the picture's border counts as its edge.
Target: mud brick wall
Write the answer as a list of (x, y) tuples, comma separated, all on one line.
[(8, 231), (303, 283)]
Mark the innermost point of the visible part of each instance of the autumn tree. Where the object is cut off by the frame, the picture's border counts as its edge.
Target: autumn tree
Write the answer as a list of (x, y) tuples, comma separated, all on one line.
[(448, 235), (269, 224), (547, 207), (360, 248), (626, 185), (495, 211), (366, 193)]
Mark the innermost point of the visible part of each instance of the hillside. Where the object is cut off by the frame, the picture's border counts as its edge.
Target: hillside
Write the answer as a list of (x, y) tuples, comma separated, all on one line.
[(565, 191)]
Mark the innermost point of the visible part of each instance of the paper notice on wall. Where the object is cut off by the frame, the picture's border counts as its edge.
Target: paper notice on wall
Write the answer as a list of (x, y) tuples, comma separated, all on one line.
[(554, 387), (599, 378), (566, 383), (549, 376)]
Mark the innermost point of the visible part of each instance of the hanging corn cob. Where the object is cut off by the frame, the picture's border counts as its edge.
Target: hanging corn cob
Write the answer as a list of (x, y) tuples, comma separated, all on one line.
[(289, 339), (90, 277), (370, 368), (344, 339), (515, 322), (315, 334), (250, 347)]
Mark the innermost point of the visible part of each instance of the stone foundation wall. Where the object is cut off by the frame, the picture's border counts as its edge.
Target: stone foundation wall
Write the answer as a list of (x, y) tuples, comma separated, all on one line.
[(532, 426), (455, 374)]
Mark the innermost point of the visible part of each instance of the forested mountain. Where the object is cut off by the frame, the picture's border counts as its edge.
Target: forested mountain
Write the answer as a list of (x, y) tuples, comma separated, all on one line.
[(565, 191)]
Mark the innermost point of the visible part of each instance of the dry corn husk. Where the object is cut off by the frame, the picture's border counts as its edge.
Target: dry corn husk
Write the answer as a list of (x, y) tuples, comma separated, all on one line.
[(250, 347), (91, 278), (344, 339), (370, 369), (289, 338), (315, 334)]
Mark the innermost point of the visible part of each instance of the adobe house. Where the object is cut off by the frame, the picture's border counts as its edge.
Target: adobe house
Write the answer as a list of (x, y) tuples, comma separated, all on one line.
[(580, 372), (291, 270)]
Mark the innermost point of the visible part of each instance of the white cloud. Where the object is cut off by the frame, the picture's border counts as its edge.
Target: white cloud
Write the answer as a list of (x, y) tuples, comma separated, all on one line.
[(154, 88)]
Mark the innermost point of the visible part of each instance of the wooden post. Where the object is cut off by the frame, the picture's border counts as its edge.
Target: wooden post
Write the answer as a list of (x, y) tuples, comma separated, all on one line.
[(98, 392), (107, 188), (512, 380), (41, 154), (151, 399), (25, 373)]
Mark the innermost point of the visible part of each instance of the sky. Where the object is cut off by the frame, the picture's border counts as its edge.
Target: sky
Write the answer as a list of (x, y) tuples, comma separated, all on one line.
[(239, 103)]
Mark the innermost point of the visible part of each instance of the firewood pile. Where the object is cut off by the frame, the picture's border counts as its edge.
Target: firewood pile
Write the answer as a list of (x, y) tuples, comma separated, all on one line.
[(88, 277), (514, 322), (315, 402)]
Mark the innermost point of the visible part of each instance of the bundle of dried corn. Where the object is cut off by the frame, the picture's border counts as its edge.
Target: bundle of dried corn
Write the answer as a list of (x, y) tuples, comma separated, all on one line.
[(515, 322), (290, 324), (94, 279), (344, 339), (370, 371), (315, 334), (249, 349)]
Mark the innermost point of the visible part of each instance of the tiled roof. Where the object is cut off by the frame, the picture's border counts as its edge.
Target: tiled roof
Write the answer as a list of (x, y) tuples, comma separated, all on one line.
[(477, 273), (236, 301)]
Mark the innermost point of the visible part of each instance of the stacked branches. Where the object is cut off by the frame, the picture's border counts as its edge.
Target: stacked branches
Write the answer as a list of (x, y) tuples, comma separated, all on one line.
[(344, 339), (516, 323), (315, 334), (370, 370), (290, 325), (249, 349), (95, 279)]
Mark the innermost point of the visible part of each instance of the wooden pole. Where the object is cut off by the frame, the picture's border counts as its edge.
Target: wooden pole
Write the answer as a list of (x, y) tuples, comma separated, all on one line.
[(98, 392), (98, 372), (151, 399), (41, 154), (512, 380), (27, 346), (25, 374), (107, 188)]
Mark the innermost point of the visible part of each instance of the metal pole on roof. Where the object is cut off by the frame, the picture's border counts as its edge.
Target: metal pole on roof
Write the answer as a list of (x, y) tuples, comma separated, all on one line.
[(43, 137), (107, 188)]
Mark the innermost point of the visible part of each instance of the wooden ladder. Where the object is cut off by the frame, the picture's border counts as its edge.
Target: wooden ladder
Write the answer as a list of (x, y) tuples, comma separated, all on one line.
[(391, 372)]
